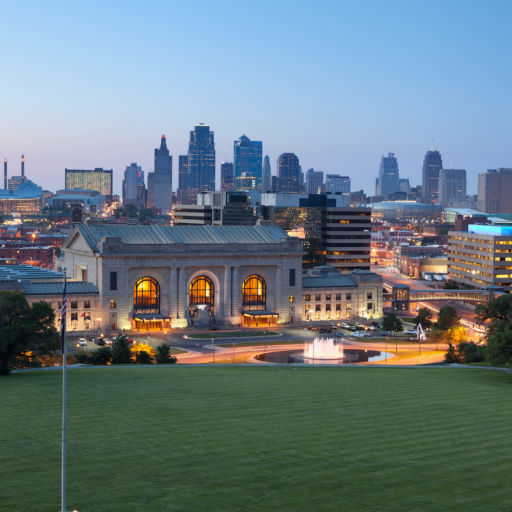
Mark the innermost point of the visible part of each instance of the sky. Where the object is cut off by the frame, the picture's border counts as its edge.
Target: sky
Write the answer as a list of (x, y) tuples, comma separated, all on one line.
[(339, 83)]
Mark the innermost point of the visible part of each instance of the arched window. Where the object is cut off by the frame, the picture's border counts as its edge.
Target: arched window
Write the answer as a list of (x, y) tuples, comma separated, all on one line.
[(254, 292), (202, 291), (146, 296)]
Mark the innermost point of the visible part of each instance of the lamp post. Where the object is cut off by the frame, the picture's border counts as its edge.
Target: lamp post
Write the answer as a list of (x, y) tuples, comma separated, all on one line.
[(64, 397)]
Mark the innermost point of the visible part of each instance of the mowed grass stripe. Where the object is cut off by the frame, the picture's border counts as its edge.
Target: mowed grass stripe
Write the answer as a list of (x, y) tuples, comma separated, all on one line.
[(259, 438)]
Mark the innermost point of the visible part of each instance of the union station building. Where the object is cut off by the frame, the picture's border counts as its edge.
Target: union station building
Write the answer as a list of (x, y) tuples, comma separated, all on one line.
[(160, 278)]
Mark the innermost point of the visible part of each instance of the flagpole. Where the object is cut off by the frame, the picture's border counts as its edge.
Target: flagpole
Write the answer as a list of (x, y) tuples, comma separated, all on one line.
[(64, 398)]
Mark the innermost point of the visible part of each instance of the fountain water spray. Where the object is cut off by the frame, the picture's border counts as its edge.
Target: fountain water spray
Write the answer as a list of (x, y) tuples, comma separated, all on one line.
[(323, 348)]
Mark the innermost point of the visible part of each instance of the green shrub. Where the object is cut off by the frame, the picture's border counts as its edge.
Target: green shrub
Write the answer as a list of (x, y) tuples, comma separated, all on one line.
[(470, 352), (143, 357), (82, 357), (102, 355)]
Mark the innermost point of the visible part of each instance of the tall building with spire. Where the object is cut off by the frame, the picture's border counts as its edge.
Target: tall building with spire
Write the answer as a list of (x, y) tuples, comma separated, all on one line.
[(432, 165), (247, 163), (160, 181), (5, 173), (388, 181), (200, 162), (267, 175)]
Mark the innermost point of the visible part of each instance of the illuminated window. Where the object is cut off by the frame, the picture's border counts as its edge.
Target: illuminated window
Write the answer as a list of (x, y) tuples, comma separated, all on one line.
[(146, 296), (307, 298), (291, 298), (113, 304), (201, 291), (254, 292)]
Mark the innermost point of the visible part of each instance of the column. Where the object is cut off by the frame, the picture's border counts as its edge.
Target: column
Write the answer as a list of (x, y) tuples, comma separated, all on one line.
[(236, 294), (277, 293), (173, 296), (227, 293)]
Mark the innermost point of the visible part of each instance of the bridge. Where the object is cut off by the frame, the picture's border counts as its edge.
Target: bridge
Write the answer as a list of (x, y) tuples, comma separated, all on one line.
[(401, 295)]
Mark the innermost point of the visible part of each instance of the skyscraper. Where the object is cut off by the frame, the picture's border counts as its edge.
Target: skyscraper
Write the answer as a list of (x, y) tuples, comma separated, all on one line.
[(226, 177), (288, 170), (388, 181), (247, 156), (98, 179), (267, 175), (314, 181), (432, 165), (5, 173), (201, 161), (452, 187), (494, 188), (336, 184), (134, 191), (160, 181)]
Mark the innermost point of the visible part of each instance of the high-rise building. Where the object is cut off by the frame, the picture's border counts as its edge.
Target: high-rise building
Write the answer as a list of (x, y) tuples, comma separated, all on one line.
[(5, 173), (98, 179), (288, 170), (388, 181), (160, 181), (432, 165), (247, 155), (267, 175), (332, 235), (336, 184), (226, 177), (200, 162), (452, 187), (134, 190), (314, 181), (494, 189)]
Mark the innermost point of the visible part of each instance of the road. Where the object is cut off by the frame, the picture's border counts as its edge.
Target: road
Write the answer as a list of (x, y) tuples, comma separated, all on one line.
[(466, 311)]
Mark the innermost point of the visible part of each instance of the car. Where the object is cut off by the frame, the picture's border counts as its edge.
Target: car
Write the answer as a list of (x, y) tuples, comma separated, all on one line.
[(345, 325), (339, 335), (372, 328), (367, 334), (108, 341), (100, 342), (410, 332), (358, 334), (385, 333), (82, 342)]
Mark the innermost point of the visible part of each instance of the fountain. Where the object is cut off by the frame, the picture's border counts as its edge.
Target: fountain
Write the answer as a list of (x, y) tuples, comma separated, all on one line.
[(323, 349)]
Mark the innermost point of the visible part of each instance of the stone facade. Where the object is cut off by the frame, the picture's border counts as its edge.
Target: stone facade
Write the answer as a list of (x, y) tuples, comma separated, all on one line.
[(122, 260)]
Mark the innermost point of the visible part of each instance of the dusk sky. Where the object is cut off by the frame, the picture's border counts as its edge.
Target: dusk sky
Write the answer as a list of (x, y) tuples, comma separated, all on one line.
[(87, 85)]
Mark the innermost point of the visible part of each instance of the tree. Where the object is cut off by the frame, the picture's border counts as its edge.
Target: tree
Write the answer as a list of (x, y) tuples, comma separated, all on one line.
[(499, 329), (392, 323), (121, 353), (452, 355), (447, 318), (142, 347), (163, 355), (424, 317), (24, 328)]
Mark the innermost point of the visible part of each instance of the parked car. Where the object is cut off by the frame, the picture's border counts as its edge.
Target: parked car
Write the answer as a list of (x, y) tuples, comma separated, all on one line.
[(385, 333), (100, 342), (358, 334), (82, 342), (410, 332), (339, 335), (108, 341), (345, 325)]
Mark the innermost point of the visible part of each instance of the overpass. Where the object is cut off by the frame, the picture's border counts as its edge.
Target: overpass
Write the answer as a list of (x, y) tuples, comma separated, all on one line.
[(401, 295)]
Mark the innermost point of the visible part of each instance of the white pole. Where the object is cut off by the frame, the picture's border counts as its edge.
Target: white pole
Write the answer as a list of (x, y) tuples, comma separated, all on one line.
[(64, 399)]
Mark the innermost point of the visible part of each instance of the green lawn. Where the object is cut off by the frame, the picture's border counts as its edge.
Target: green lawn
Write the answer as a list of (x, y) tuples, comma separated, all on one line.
[(259, 439), (231, 334)]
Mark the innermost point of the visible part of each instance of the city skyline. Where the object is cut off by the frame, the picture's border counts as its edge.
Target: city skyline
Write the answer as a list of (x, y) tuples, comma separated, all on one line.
[(348, 93)]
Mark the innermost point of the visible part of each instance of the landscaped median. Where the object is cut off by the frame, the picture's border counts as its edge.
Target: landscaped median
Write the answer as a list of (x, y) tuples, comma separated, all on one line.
[(228, 335)]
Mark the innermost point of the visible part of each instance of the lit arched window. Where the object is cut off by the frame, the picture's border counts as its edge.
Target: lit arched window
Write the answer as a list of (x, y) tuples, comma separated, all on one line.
[(146, 296), (254, 292), (201, 291)]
